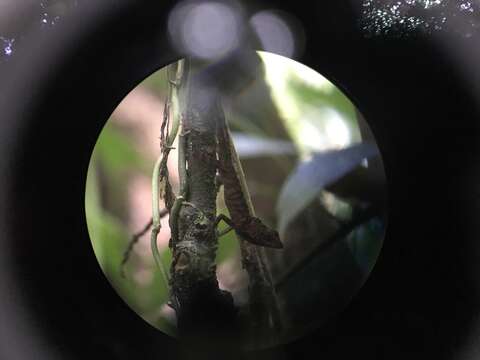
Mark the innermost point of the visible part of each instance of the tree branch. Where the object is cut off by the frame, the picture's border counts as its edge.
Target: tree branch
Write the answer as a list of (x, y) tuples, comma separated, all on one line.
[(201, 307)]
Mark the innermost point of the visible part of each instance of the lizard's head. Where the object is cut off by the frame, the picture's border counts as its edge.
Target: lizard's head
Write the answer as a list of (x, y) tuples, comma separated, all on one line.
[(260, 234)]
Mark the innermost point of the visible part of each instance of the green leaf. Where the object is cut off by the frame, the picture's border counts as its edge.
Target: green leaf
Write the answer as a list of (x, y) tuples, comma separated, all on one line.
[(310, 177), (109, 239)]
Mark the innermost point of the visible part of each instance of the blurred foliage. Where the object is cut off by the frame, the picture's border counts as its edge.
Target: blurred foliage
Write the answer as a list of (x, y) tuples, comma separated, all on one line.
[(124, 156), (157, 82), (319, 99), (116, 157), (316, 114), (289, 113), (310, 177), (364, 245)]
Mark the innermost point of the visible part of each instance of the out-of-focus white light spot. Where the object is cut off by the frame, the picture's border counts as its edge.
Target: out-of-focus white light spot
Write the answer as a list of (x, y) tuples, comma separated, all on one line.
[(207, 30), (312, 137), (467, 6), (7, 45), (274, 33), (336, 129)]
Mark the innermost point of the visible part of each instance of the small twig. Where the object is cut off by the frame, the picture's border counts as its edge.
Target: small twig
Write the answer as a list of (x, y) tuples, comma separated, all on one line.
[(134, 240)]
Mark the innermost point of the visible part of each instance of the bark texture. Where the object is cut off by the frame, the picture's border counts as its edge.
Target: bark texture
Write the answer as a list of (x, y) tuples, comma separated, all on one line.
[(202, 308)]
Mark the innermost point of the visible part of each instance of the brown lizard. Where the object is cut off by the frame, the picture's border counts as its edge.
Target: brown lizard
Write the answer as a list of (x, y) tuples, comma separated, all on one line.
[(237, 198)]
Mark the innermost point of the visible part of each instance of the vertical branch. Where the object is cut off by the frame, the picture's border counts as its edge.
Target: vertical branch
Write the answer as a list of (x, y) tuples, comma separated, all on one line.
[(202, 308)]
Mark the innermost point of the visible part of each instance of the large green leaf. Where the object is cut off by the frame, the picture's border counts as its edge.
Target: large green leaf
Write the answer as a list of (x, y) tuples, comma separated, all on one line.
[(311, 176), (109, 239)]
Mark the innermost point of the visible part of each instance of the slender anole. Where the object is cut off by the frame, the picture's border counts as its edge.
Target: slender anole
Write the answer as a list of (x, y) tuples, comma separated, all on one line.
[(247, 226), (156, 226), (157, 174), (237, 197), (182, 76)]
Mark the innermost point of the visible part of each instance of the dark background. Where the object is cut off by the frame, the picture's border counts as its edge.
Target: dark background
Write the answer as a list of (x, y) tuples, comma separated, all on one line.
[(422, 299)]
